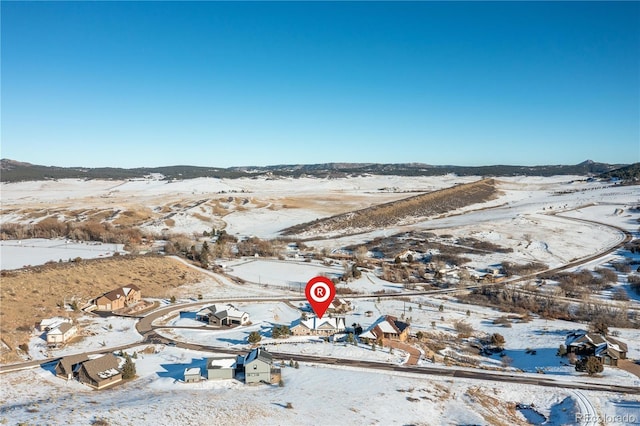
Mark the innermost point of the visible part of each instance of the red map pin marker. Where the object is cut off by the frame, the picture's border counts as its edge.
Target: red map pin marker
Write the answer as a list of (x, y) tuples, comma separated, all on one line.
[(320, 293)]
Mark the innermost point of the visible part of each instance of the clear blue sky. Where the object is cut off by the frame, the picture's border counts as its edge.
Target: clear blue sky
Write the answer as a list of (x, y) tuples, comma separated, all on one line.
[(229, 84)]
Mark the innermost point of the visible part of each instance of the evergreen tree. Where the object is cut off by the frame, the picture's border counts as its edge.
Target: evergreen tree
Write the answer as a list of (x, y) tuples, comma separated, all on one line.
[(254, 337), (129, 368)]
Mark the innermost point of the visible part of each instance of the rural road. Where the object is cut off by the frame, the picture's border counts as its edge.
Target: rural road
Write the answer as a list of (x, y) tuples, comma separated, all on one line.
[(146, 330)]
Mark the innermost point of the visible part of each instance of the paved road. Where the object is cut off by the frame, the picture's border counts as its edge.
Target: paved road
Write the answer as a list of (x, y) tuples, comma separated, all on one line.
[(146, 329)]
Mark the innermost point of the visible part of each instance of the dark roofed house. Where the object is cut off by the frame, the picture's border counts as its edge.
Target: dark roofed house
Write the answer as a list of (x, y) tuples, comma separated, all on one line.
[(100, 372), (387, 327), (69, 366), (258, 367), (222, 315), (607, 349)]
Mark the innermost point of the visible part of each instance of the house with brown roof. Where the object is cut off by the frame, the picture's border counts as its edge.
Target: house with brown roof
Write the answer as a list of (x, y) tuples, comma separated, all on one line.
[(341, 306), (68, 367), (118, 298), (387, 327), (607, 349), (61, 334), (100, 372)]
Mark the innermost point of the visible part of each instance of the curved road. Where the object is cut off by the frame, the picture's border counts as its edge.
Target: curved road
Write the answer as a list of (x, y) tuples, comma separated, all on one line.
[(146, 329)]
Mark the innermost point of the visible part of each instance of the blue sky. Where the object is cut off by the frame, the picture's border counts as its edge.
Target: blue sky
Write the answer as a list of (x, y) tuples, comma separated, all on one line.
[(129, 84)]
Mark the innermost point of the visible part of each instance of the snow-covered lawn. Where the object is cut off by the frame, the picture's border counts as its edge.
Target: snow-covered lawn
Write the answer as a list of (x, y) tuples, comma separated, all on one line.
[(95, 333)]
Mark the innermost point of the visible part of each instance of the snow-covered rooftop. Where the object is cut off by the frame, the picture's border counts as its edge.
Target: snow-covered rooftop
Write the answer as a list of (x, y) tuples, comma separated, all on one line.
[(221, 362)]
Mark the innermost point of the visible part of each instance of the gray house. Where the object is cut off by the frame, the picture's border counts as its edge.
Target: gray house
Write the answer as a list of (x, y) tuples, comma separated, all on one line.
[(222, 315), (221, 368), (258, 367)]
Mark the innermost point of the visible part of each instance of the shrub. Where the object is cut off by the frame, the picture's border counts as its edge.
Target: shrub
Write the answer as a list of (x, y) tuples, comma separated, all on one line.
[(254, 337), (620, 294), (562, 350), (463, 328), (497, 340), (598, 325), (590, 365), (280, 331)]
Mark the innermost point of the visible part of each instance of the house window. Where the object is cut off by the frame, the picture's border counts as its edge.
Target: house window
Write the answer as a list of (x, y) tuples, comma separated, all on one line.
[(255, 367)]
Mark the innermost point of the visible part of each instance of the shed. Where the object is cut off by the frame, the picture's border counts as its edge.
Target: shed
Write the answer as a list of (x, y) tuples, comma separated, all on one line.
[(192, 375)]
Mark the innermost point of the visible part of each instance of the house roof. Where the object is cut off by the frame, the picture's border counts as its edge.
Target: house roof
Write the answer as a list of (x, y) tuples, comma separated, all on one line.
[(315, 323), (120, 292), (385, 324), (68, 362), (223, 311), (102, 368), (258, 354), (339, 302), (61, 329), (192, 371), (52, 322), (214, 363), (600, 343)]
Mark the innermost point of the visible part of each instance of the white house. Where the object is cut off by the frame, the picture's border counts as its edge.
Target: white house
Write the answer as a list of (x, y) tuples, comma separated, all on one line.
[(315, 326), (61, 334), (51, 323), (223, 315)]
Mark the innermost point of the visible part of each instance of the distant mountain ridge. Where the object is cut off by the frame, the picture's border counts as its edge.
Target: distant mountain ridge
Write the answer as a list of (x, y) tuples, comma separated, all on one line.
[(16, 171)]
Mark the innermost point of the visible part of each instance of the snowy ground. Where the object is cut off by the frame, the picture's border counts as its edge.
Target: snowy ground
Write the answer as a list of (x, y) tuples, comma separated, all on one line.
[(520, 218), (15, 254), (317, 394), (95, 333), (285, 273)]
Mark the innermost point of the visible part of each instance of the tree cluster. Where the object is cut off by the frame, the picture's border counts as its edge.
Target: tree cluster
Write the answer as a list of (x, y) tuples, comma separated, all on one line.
[(81, 231), (280, 331)]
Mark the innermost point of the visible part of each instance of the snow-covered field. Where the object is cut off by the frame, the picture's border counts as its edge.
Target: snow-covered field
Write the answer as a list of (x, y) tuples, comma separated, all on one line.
[(279, 273), (541, 219), (15, 254), (317, 394)]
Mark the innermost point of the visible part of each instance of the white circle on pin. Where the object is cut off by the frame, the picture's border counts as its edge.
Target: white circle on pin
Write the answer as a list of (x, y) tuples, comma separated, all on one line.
[(320, 292)]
